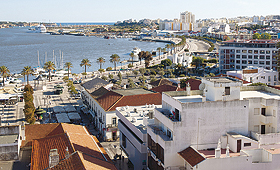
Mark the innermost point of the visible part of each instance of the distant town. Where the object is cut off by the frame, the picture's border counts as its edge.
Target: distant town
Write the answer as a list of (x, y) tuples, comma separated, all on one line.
[(209, 99)]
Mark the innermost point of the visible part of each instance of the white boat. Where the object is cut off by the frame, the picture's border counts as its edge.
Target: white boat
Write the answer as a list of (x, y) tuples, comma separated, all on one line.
[(136, 51), (38, 70), (39, 29)]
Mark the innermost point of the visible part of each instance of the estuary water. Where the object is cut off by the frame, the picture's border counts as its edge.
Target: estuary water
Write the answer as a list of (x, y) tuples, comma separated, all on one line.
[(19, 48)]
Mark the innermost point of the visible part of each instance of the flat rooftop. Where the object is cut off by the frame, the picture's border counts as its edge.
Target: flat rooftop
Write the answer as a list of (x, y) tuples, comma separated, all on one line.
[(254, 94), (186, 99), (8, 139), (137, 118), (221, 79), (129, 92), (211, 153)]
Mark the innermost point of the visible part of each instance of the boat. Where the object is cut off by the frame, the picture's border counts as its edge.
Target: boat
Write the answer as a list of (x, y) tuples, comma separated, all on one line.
[(40, 28), (106, 37)]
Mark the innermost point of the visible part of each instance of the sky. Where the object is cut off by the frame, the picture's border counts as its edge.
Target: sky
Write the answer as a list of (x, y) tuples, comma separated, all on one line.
[(119, 10)]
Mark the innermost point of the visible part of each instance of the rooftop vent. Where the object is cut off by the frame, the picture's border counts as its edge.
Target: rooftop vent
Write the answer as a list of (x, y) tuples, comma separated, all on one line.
[(53, 157)]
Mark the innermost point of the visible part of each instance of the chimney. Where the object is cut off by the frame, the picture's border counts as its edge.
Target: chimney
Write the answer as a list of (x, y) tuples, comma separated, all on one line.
[(188, 89), (227, 151), (67, 153), (218, 150), (53, 157)]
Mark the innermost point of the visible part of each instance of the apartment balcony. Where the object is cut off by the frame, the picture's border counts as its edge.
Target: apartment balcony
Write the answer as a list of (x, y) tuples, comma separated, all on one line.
[(158, 135), (166, 118), (266, 119)]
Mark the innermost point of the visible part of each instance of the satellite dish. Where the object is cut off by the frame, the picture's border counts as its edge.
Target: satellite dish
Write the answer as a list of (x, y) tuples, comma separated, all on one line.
[(202, 86)]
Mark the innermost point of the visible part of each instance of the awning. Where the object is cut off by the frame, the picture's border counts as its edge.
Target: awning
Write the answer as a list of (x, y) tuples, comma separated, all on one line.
[(74, 116), (62, 118), (70, 108)]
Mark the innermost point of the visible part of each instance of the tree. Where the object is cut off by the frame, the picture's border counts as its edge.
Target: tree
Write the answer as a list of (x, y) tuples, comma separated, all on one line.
[(148, 57), (127, 75), (265, 36), (49, 66), (85, 62), (120, 75), (197, 61), (29, 108), (108, 68), (26, 72), (166, 62), (142, 80), (142, 71), (131, 55), (101, 70), (130, 65), (256, 36), (135, 72), (131, 83), (68, 65), (115, 59), (110, 76), (167, 46), (141, 56), (159, 50), (161, 73), (100, 60), (104, 77), (4, 72)]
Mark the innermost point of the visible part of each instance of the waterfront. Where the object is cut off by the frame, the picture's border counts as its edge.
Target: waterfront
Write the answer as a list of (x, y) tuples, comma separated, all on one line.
[(18, 48)]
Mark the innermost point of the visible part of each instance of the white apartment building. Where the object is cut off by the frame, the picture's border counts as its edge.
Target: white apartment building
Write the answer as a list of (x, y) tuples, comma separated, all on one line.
[(239, 54), (133, 121), (221, 125), (256, 75), (185, 59)]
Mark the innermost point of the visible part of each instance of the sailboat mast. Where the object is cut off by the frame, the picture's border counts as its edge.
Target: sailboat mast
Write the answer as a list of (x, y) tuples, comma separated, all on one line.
[(38, 59), (62, 61)]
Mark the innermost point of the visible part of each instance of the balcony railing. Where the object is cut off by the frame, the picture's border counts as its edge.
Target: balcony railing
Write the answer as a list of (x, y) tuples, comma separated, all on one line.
[(111, 125), (158, 131), (168, 114), (266, 119)]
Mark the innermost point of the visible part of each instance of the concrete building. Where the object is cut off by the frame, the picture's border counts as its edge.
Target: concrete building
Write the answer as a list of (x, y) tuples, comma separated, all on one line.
[(132, 125), (10, 141), (223, 117), (185, 59), (239, 54), (102, 104), (256, 75)]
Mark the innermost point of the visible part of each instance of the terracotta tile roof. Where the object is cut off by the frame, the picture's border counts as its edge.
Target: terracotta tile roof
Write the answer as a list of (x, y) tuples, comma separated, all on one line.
[(191, 156), (161, 82), (137, 100), (107, 100), (165, 88), (99, 92), (38, 131), (41, 150), (194, 83), (91, 154)]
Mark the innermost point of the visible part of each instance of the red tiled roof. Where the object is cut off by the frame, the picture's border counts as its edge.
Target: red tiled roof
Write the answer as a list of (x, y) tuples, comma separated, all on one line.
[(137, 100), (191, 156), (165, 88), (41, 150), (108, 99), (194, 83), (76, 138)]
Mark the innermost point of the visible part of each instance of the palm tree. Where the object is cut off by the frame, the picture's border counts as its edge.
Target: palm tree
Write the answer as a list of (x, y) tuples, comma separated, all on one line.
[(167, 46), (114, 59), (100, 60), (68, 65), (159, 50), (131, 55), (26, 72), (85, 62), (4, 72), (141, 56), (49, 66)]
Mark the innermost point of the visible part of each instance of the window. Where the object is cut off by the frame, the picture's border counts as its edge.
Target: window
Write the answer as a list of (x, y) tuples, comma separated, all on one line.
[(227, 90), (267, 62), (263, 111), (238, 61), (268, 78), (237, 51), (244, 56), (168, 133), (261, 62), (237, 56), (123, 140), (268, 57), (249, 51), (262, 52), (275, 78), (249, 61), (237, 66), (177, 114), (244, 62), (256, 57), (256, 51), (267, 52), (152, 145), (250, 56), (251, 79), (244, 51), (256, 62), (247, 144), (114, 121), (261, 56), (256, 111)]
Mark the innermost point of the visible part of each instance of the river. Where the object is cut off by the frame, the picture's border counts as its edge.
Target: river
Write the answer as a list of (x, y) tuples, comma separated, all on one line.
[(19, 47)]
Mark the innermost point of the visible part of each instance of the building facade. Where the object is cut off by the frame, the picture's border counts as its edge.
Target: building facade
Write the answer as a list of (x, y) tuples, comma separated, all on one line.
[(239, 54)]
